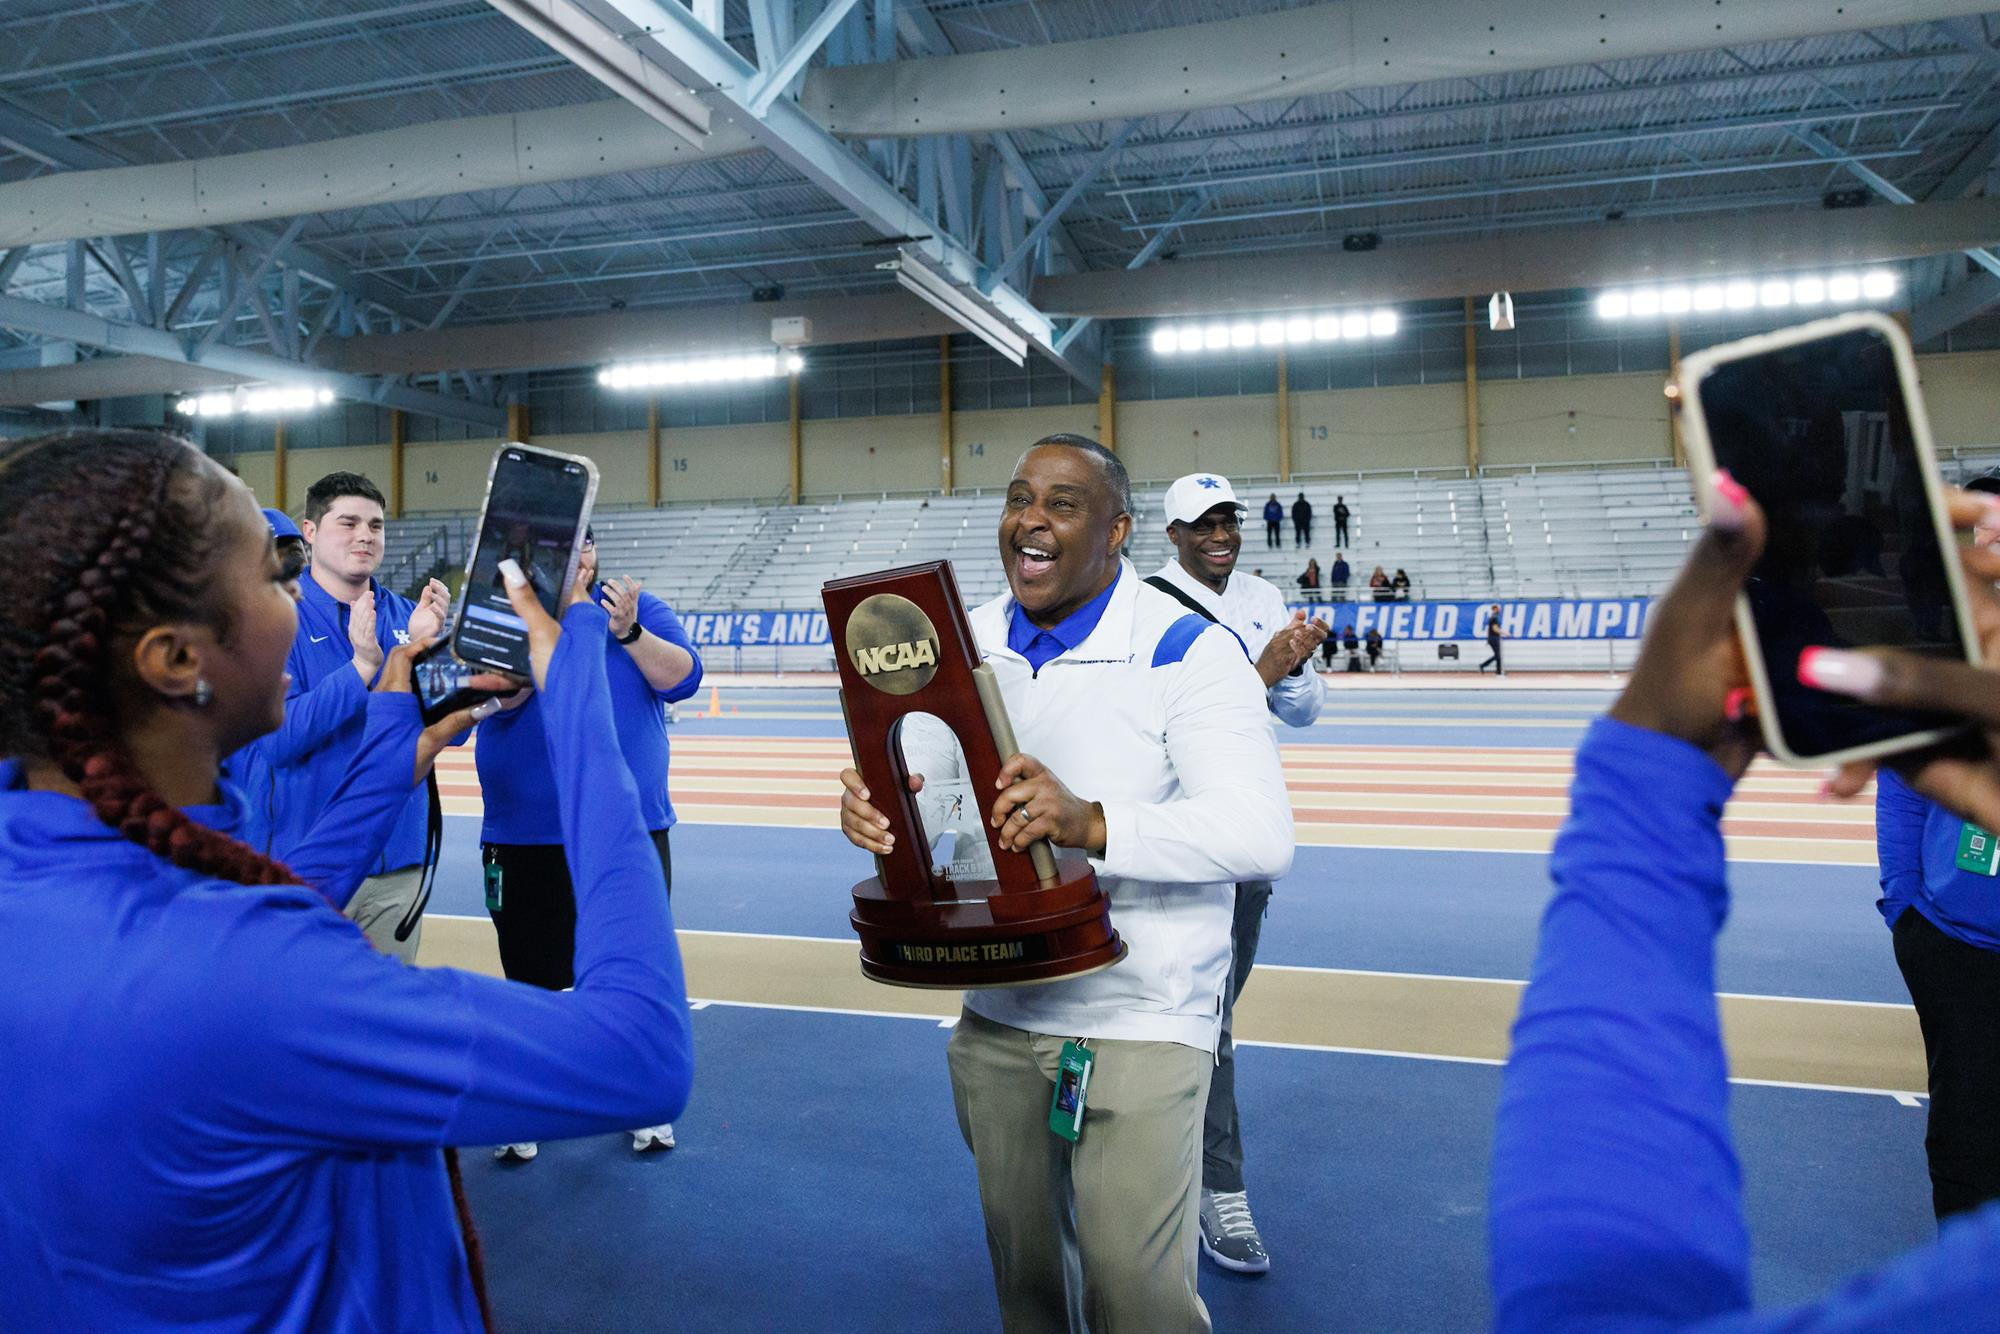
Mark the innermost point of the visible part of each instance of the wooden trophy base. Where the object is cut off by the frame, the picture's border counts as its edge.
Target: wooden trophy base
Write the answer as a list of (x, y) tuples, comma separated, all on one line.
[(997, 940)]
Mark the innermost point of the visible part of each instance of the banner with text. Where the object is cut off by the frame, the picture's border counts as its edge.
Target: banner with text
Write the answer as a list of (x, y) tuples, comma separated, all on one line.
[(1524, 619)]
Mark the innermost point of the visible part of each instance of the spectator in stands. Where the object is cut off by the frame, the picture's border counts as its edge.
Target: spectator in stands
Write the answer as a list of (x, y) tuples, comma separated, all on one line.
[(1338, 577), (1327, 649), (1340, 516), (1494, 634), (1302, 521), (344, 522), (1309, 581), (1374, 648), (529, 893), (1274, 521), (1202, 516), (1400, 585), (1164, 728), (1350, 640), (1379, 587), (1617, 1196)]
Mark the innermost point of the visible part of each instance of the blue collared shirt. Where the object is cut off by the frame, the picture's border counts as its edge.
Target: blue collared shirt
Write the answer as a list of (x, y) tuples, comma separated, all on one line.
[(1038, 646)]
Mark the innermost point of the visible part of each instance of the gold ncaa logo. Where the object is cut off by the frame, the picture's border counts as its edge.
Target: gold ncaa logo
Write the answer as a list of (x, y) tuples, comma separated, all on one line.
[(892, 644)]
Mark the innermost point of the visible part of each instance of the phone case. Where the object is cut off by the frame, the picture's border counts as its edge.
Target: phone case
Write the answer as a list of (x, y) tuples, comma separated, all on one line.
[(472, 554), (1695, 368)]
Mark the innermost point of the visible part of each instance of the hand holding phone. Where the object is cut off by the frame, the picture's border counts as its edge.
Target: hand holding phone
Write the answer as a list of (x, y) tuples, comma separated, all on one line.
[(1823, 427), (536, 514)]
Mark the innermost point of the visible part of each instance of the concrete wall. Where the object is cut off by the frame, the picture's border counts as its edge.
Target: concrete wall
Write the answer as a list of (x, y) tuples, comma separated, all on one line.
[(1579, 418), (1962, 393)]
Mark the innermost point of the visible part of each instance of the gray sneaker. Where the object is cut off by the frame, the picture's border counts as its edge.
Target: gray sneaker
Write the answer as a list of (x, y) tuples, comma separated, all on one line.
[(1229, 1234)]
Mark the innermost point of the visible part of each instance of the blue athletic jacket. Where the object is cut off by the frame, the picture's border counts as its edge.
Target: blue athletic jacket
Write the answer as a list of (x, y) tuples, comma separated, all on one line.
[(1617, 1202), (516, 787), (223, 1109), (1916, 843), (297, 768)]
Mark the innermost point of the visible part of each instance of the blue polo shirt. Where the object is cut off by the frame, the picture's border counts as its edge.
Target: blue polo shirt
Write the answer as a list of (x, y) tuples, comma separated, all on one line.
[(1916, 844), (1039, 646), (515, 781), (300, 785)]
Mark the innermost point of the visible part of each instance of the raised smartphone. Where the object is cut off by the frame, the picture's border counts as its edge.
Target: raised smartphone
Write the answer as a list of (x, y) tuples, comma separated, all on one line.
[(443, 684), (1824, 425), (537, 506)]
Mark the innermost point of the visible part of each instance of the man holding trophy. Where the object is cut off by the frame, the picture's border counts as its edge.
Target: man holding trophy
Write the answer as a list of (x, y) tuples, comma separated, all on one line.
[(1143, 745)]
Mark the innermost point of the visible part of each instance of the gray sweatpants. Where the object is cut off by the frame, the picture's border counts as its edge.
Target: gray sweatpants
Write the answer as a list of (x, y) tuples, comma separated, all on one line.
[(1102, 1235), (378, 908), (1222, 1132)]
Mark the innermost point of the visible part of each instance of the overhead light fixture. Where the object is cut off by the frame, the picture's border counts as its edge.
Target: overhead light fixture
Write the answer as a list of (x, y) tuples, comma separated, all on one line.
[(699, 370), (964, 306), (1169, 340), (1775, 293), (1500, 312), (257, 401)]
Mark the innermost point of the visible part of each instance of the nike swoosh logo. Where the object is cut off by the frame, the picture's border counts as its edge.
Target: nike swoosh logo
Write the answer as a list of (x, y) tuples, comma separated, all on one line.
[(318, 639)]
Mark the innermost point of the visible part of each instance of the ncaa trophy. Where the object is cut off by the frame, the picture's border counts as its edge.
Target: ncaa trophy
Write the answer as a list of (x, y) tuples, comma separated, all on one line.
[(905, 647)]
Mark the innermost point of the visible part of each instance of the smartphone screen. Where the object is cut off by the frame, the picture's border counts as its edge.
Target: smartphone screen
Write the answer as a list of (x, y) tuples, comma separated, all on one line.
[(1819, 432), (536, 508), (444, 684)]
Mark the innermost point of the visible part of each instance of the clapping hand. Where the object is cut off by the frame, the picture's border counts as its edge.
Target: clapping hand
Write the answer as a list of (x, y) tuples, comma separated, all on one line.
[(621, 599), (1291, 646), (427, 621), (361, 635)]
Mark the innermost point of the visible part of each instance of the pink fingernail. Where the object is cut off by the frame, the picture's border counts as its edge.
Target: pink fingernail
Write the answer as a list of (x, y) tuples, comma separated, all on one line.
[(1840, 672), (1728, 511), (1736, 704)]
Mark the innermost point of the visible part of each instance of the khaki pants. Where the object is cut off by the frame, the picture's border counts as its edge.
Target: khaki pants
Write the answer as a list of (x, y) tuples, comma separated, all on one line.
[(378, 908), (1102, 1236)]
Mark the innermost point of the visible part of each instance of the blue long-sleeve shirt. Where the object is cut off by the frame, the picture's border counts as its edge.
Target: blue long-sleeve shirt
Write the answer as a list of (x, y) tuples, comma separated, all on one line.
[(1617, 1200), (517, 788), (307, 765), (1916, 844), (314, 719), (223, 1108)]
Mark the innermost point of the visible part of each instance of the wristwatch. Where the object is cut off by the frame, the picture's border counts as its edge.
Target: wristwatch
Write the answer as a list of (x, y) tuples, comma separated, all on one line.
[(632, 636)]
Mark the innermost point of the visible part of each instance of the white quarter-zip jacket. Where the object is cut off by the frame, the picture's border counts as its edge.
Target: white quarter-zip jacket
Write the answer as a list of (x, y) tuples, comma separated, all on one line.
[(1158, 717), (1256, 611)]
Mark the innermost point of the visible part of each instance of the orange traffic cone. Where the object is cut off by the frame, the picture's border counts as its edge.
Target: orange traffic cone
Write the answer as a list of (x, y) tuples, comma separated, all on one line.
[(714, 702)]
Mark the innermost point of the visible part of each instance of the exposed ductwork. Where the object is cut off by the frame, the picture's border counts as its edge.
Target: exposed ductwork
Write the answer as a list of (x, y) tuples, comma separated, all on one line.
[(1319, 49), (1546, 260)]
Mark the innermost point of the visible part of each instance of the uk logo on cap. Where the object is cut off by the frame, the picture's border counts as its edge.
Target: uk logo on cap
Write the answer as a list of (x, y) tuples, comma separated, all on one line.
[(1208, 483)]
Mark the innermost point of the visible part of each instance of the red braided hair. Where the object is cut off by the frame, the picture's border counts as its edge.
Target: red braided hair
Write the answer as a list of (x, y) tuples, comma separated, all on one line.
[(103, 533)]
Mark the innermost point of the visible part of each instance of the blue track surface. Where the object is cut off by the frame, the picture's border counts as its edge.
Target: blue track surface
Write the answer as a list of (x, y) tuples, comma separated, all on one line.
[(1794, 931), (821, 1185)]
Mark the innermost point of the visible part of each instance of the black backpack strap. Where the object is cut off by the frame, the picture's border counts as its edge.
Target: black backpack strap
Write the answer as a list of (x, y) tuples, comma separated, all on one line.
[(1182, 598)]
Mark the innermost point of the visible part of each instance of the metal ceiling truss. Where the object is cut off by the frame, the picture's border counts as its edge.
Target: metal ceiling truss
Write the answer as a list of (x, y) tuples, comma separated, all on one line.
[(240, 266), (940, 230)]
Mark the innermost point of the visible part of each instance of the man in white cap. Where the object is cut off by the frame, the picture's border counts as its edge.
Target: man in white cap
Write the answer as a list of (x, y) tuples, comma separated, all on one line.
[(1204, 520)]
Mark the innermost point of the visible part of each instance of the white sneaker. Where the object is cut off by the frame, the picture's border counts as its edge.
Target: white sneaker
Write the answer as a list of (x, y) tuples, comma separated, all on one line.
[(517, 1153), (647, 1139)]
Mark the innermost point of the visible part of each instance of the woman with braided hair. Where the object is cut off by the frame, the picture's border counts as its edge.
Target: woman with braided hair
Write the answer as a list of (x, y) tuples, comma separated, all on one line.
[(224, 1107)]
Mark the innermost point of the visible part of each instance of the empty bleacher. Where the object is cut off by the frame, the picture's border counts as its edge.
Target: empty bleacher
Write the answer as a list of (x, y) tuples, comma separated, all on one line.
[(1565, 532)]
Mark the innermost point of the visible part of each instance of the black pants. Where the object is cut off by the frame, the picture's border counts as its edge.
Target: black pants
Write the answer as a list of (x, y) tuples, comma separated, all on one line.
[(1222, 1132), (1340, 532), (1274, 533), (534, 910), (1956, 989), (1302, 532), (1494, 661)]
